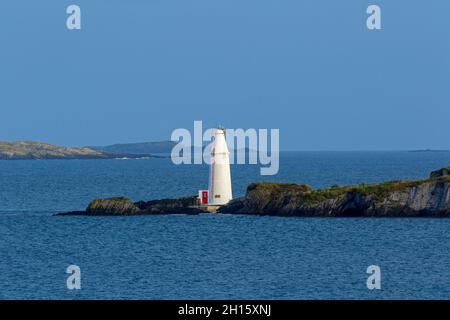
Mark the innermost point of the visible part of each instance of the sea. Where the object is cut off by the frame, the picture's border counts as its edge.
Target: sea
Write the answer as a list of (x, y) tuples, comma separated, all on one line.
[(213, 256)]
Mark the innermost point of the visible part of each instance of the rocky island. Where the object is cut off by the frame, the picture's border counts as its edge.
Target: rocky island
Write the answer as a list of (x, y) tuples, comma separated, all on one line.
[(421, 198), (32, 150), (122, 206)]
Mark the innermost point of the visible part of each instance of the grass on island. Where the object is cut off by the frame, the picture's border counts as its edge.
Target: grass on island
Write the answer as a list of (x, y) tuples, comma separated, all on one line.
[(310, 196)]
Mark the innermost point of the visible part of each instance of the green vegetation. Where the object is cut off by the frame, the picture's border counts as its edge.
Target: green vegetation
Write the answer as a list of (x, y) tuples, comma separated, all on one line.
[(277, 186), (41, 150), (117, 205), (309, 196), (100, 202), (31, 150)]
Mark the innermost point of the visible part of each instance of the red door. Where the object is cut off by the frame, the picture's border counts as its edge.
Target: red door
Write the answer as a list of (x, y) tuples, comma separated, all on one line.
[(204, 197)]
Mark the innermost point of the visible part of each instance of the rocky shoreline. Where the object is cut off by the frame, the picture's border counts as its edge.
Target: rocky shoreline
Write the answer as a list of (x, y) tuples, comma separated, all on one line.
[(421, 198), (122, 206)]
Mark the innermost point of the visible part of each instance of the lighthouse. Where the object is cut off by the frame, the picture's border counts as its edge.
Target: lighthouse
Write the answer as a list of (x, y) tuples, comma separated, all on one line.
[(219, 176)]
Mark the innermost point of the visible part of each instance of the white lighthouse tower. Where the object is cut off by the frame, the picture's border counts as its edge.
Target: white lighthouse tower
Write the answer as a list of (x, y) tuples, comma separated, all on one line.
[(219, 176)]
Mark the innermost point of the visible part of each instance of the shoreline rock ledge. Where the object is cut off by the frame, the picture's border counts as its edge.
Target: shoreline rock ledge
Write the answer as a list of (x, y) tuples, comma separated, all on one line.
[(122, 206), (420, 198)]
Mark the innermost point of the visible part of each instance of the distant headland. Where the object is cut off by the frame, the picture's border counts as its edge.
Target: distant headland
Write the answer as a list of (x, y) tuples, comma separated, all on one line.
[(429, 150), (154, 147), (421, 198), (33, 150)]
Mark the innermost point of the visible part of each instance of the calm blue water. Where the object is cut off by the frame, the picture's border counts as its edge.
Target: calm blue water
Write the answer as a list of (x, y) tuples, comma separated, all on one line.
[(213, 256)]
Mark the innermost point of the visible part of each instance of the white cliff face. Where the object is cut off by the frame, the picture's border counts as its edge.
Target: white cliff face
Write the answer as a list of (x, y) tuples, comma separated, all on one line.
[(220, 177)]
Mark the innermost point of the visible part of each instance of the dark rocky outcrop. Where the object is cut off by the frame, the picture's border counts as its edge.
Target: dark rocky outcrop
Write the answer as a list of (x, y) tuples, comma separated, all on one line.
[(430, 198), (121, 206), (441, 172), (112, 206), (180, 205)]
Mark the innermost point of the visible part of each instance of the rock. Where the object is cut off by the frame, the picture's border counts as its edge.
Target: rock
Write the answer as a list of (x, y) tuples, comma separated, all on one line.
[(440, 173), (72, 213), (267, 198), (391, 199), (180, 205), (112, 206), (121, 206)]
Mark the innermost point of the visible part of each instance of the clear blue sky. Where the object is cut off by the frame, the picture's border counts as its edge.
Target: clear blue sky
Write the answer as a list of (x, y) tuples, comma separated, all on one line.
[(140, 68)]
